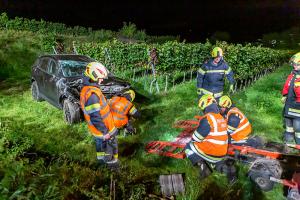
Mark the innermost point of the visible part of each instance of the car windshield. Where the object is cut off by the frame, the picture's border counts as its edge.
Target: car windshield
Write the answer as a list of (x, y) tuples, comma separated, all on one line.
[(72, 68)]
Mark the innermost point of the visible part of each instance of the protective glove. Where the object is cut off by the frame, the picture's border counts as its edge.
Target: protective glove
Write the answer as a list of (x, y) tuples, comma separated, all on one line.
[(231, 90), (283, 99)]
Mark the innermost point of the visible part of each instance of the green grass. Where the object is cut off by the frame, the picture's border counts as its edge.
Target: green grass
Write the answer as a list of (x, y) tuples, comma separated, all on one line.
[(43, 158)]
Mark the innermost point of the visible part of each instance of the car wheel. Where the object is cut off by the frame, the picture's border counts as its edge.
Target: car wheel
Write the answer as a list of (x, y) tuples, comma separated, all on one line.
[(71, 112), (261, 180), (35, 92)]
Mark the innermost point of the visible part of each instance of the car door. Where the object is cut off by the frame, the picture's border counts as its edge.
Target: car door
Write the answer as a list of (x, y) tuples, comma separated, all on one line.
[(51, 78), (41, 72)]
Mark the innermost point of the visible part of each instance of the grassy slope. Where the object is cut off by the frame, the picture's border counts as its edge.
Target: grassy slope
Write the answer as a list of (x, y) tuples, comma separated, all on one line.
[(39, 152)]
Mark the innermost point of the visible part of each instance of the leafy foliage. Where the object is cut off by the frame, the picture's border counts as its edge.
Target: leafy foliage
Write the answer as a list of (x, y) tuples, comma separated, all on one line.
[(245, 61)]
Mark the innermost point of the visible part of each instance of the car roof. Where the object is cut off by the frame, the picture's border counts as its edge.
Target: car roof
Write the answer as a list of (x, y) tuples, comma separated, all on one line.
[(68, 57)]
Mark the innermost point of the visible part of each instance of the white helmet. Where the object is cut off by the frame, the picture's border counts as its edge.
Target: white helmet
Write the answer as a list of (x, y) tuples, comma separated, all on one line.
[(95, 71)]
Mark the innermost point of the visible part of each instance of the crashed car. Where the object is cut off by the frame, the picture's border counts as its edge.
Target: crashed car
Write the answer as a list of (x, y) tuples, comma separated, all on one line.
[(58, 80)]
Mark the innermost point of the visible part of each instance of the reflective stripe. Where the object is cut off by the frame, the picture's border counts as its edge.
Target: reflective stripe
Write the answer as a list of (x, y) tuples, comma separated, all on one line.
[(203, 155), (294, 114), (101, 155), (93, 106), (238, 142), (126, 106), (119, 118), (228, 70), (289, 129), (216, 141), (215, 71), (216, 95), (104, 103), (201, 71), (92, 111), (205, 91), (218, 133), (197, 136), (241, 128), (297, 134), (294, 110), (214, 123), (231, 128), (132, 110), (117, 111), (105, 115), (113, 131)]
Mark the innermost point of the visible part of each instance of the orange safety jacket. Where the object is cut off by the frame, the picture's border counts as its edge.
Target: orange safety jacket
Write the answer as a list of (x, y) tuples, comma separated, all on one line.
[(102, 107), (120, 108), (244, 128), (216, 142)]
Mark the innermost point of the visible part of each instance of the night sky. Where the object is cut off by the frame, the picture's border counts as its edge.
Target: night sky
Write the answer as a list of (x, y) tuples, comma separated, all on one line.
[(245, 20)]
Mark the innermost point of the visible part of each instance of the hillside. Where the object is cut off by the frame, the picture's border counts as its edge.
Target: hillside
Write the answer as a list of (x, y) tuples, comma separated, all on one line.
[(42, 157)]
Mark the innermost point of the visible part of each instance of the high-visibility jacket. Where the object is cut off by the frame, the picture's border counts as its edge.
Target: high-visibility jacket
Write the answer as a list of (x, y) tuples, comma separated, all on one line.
[(244, 128), (120, 108), (291, 89), (101, 107), (216, 142)]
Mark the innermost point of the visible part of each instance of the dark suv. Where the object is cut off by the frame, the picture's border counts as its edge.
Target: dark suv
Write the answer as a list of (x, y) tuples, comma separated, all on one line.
[(58, 79)]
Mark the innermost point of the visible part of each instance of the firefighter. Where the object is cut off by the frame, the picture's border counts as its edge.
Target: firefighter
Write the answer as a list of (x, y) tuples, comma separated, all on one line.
[(238, 126), (123, 109), (98, 116), (291, 99), (210, 140), (210, 76)]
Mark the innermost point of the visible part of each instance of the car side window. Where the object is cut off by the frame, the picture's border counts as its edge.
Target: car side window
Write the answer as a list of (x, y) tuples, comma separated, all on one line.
[(52, 68), (44, 64)]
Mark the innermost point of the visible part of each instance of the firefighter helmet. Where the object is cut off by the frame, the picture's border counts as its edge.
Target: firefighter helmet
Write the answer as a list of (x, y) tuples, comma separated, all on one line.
[(295, 60), (217, 52), (205, 101), (131, 93), (225, 102), (96, 71)]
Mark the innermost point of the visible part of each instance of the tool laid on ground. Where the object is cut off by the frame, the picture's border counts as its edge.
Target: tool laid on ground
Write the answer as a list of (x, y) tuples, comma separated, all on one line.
[(267, 165)]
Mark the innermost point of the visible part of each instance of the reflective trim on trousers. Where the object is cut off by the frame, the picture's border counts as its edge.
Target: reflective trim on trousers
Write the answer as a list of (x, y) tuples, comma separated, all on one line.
[(289, 129)]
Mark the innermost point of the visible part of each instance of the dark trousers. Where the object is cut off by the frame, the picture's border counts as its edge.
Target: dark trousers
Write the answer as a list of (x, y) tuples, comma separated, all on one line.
[(292, 129), (106, 150)]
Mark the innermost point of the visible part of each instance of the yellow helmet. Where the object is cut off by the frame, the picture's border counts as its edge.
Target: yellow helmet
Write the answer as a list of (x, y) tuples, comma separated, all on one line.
[(131, 94), (205, 101), (216, 52), (295, 59), (95, 71), (225, 102)]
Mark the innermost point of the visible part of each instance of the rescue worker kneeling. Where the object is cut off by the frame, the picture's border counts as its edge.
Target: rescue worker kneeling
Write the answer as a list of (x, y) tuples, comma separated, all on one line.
[(238, 126), (210, 141), (98, 116), (123, 109)]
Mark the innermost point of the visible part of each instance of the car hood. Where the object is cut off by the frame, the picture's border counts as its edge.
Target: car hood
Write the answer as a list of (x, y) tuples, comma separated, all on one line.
[(72, 86)]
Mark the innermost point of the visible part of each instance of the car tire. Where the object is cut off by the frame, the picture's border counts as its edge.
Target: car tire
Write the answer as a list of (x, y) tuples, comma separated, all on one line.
[(71, 112), (35, 92), (261, 180)]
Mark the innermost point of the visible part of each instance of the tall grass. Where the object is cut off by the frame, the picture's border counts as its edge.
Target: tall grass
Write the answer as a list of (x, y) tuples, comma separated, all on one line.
[(43, 158)]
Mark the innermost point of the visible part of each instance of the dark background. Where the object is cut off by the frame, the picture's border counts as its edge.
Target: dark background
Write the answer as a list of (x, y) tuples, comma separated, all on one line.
[(244, 20)]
